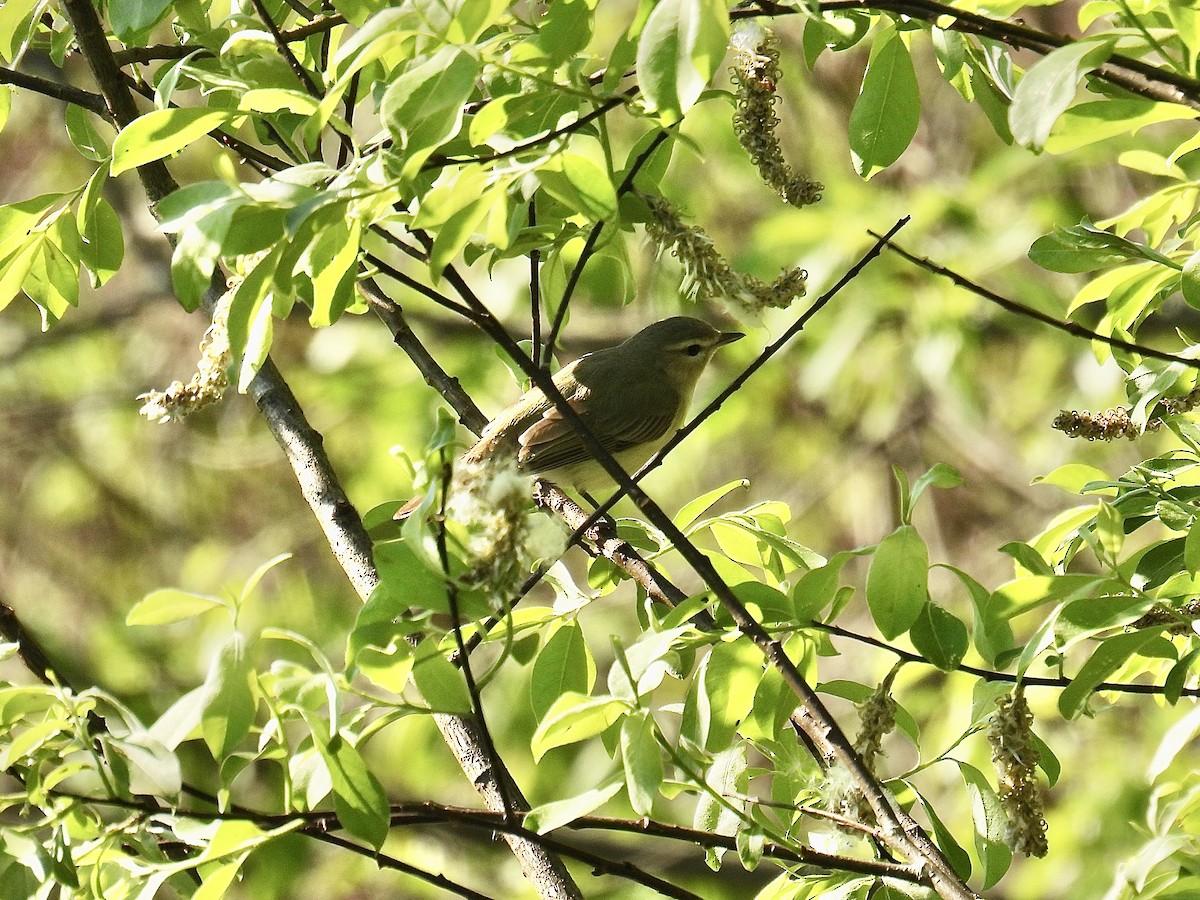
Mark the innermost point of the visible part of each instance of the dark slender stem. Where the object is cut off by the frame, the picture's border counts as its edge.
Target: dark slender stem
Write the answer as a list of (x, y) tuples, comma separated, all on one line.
[(535, 288), (28, 647), (351, 101), (384, 861), (64, 92), (1115, 687), (281, 44), (536, 142), (1136, 76), (1021, 309), (176, 51), (589, 248)]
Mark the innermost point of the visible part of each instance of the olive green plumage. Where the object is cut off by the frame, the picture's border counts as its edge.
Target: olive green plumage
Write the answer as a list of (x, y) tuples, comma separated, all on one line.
[(633, 397)]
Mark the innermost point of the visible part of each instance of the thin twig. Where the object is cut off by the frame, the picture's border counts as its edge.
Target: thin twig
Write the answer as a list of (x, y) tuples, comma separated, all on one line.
[(1116, 687), (177, 51), (902, 832), (281, 44), (536, 142), (535, 287), (1013, 306), (64, 92), (384, 861), (589, 247)]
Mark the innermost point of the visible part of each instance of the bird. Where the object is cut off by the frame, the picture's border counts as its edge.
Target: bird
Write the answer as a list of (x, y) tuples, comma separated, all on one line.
[(633, 397)]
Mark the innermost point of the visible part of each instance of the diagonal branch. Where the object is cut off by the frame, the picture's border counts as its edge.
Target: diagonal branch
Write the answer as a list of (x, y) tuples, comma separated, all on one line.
[(64, 92), (1020, 309)]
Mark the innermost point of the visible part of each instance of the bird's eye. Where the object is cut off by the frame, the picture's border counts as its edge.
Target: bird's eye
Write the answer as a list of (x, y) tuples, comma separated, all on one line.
[(693, 350)]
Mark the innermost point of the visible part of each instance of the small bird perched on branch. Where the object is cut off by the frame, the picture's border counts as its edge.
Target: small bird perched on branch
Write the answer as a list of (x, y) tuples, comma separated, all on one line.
[(633, 397)]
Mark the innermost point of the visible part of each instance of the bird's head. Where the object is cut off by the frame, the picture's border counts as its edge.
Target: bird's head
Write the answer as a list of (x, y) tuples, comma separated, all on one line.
[(680, 347)]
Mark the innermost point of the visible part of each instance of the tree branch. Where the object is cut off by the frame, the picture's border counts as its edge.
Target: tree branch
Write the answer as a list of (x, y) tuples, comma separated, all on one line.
[(1013, 306), (177, 51), (1116, 687), (1135, 76), (64, 92)]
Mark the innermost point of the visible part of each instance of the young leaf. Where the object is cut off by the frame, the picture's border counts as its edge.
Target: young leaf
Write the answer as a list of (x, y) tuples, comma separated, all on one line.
[(565, 664), (1049, 87), (439, 681), (229, 705), (897, 581), (358, 797), (161, 133), (679, 49), (548, 816), (575, 717), (940, 637), (171, 605), (1106, 659), (424, 106), (641, 758), (888, 109)]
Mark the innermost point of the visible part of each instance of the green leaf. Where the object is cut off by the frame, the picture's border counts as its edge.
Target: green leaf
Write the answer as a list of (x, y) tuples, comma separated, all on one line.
[(641, 758), (939, 476), (575, 717), (888, 109), (379, 644), (565, 664), (85, 135), (679, 49), (940, 637), (693, 510), (16, 27), (161, 133), (1049, 87), (731, 676), (103, 249), (1089, 123), (816, 588), (424, 106), (950, 847), (358, 797), (548, 816), (172, 605), (1085, 248), (991, 632), (229, 703), (130, 18), (439, 680), (563, 32), (1107, 658), (897, 581), (1072, 477), (989, 820)]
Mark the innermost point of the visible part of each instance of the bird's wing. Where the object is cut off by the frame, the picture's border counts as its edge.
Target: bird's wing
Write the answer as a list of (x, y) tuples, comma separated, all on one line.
[(551, 442)]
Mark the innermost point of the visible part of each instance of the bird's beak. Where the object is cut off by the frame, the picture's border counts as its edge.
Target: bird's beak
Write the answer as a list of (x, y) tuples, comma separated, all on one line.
[(728, 337)]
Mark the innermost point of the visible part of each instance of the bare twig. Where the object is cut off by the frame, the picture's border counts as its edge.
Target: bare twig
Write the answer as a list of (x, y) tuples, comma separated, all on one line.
[(281, 44), (1138, 77), (1013, 306), (177, 51), (64, 92), (589, 247), (1115, 687)]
